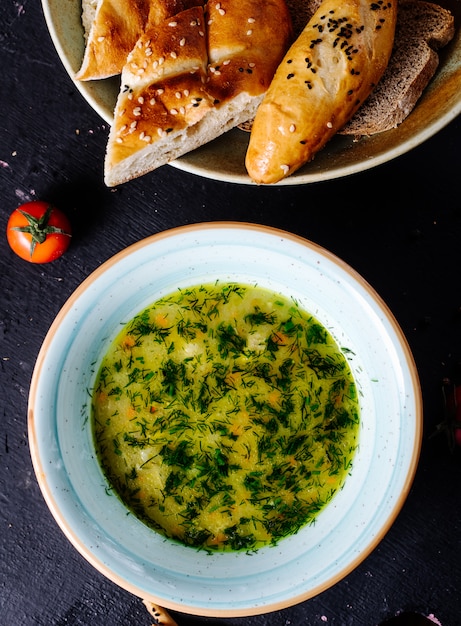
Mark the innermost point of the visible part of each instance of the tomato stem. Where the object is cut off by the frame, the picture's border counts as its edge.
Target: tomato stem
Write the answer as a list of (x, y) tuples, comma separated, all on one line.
[(39, 228)]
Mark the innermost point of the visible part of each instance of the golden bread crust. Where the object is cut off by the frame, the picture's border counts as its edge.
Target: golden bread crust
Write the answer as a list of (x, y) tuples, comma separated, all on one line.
[(116, 28), (190, 66), (162, 85), (114, 31), (324, 77)]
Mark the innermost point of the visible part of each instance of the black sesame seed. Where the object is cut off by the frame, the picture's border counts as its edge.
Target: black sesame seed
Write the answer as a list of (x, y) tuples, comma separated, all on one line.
[(290, 76)]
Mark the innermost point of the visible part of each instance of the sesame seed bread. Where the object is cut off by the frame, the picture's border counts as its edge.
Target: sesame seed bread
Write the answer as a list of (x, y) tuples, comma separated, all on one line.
[(422, 29), (325, 76), (192, 78), (112, 28)]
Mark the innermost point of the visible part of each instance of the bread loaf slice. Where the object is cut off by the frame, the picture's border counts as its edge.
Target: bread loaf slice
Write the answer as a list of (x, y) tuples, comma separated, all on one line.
[(422, 29), (191, 79)]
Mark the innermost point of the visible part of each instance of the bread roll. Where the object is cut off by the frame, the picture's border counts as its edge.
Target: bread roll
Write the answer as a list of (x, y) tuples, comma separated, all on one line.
[(323, 79), (192, 78)]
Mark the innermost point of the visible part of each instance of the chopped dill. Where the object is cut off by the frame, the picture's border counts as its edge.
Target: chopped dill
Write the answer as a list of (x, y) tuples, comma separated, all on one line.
[(225, 417)]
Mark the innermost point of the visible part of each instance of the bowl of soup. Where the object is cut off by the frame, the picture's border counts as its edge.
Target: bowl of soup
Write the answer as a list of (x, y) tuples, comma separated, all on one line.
[(225, 419)]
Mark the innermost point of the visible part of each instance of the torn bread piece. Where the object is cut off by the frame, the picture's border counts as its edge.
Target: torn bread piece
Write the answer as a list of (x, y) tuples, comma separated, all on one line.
[(162, 97), (113, 27), (191, 79), (114, 30)]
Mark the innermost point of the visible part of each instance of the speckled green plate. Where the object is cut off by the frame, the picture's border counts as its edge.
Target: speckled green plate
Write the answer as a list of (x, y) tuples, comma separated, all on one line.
[(223, 159)]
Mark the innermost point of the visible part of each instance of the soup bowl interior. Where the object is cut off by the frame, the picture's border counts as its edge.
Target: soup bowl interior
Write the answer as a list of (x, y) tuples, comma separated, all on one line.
[(152, 566)]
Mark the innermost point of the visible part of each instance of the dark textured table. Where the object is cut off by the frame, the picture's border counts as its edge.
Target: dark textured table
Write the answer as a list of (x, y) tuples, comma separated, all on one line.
[(399, 225)]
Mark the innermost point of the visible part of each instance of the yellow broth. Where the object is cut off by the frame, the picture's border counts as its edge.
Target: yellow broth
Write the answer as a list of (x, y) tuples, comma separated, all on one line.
[(225, 416)]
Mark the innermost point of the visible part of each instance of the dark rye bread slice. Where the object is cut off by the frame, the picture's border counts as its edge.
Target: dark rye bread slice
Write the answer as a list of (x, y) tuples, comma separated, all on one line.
[(422, 29)]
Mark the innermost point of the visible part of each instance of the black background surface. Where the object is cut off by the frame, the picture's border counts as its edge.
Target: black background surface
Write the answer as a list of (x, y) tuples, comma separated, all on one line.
[(399, 225)]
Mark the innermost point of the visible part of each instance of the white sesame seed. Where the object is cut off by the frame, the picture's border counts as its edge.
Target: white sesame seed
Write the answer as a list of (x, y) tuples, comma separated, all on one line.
[(251, 64), (210, 22), (226, 62), (119, 140), (141, 100), (100, 39), (122, 128), (174, 111), (186, 92), (160, 91), (161, 132), (133, 125), (182, 110), (148, 52), (147, 138), (152, 101), (292, 128), (329, 125), (251, 20), (182, 42), (173, 55), (130, 96), (173, 24), (137, 111), (201, 33), (285, 168), (249, 32), (161, 60), (155, 65), (221, 12), (193, 23), (142, 134), (178, 94)]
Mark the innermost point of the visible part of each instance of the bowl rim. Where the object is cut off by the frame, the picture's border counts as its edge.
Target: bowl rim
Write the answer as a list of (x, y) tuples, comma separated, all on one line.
[(86, 552)]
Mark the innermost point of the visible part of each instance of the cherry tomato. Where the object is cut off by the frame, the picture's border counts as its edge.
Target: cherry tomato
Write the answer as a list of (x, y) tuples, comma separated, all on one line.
[(38, 232)]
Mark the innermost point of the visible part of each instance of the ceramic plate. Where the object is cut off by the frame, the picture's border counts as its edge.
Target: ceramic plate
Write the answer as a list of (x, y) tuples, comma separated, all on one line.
[(137, 558), (223, 159)]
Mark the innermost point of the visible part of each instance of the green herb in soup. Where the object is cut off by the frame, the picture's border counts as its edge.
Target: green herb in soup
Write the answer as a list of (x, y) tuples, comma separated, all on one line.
[(225, 416)]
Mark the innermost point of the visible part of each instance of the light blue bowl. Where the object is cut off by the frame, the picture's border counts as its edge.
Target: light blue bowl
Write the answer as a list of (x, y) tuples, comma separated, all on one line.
[(137, 558)]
